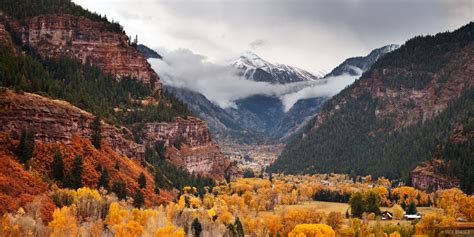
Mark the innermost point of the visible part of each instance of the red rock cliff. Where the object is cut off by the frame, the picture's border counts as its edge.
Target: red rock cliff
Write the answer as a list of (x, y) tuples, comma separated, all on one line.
[(89, 41), (56, 120)]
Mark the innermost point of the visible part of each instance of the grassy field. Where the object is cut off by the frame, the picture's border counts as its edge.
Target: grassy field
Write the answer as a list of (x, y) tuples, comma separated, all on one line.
[(342, 207), (320, 206)]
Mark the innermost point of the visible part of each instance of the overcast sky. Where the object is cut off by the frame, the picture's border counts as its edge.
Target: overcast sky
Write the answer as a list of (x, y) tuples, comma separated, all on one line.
[(310, 34)]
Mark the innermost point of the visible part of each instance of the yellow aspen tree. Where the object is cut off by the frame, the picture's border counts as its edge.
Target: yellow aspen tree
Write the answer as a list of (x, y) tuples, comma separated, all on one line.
[(64, 222)]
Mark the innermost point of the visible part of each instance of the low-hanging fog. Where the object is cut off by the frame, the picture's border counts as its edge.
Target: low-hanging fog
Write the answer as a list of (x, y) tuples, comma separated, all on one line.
[(220, 83)]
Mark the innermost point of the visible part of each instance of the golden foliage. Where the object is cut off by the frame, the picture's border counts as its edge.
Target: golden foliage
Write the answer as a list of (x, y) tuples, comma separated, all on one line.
[(170, 231), (312, 230), (456, 203), (428, 223), (64, 222)]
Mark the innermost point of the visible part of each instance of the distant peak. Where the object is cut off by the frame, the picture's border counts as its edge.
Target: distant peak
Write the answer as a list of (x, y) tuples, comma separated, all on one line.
[(250, 55)]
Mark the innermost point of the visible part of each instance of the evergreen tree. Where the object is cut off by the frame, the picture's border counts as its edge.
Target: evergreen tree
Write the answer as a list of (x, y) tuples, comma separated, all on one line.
[(142, 180), (104, 179), (73, 179), (412, 209), (239, 228), (26, 145), (77, 169), (138, 199), (96, 132), (118, 187), (404, 205), (58, 166), (196, 228)]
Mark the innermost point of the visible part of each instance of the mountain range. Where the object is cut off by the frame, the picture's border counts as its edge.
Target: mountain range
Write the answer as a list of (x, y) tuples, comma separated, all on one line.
[(261, 118)]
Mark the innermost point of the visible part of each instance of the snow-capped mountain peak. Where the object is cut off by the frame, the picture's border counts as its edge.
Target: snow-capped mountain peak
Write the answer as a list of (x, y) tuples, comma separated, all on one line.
[(253, 67)]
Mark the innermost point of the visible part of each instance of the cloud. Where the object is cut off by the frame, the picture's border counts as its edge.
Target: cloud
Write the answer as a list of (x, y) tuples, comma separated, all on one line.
[(327, 87), (221, 84), (311, 34), (257, 43)]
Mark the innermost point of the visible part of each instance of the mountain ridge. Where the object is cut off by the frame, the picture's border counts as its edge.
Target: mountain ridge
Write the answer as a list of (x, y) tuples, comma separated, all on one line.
[(386, 115)]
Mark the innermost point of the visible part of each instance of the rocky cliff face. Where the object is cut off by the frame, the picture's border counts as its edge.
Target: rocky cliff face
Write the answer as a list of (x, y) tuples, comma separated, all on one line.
[(89, 41), (425, 177), (191, 131), (55, 120), (198, 153)]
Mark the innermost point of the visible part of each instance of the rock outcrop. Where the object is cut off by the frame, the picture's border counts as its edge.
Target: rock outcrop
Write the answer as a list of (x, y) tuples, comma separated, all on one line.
[(425, 177), (87, 40), (56, 120), (198, 153)]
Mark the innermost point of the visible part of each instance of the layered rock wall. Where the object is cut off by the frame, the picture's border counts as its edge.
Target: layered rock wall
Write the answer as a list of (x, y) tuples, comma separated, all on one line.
[(425, 177), (198, 153), (56, 120), (89, 41)]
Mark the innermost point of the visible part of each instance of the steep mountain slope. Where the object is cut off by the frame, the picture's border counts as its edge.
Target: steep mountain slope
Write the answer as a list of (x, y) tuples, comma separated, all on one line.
[(357, 65), (252, 67), (395, 115), (56, 49)]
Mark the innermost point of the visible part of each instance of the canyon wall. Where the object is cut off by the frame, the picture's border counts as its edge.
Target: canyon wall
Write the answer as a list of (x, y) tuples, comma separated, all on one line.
[(56, 120), (88, 41)]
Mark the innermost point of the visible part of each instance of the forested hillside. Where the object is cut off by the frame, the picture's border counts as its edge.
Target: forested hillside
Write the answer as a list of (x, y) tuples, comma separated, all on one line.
[(127, 103), (396, 115)]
